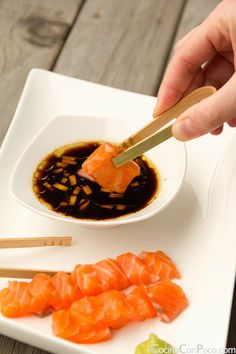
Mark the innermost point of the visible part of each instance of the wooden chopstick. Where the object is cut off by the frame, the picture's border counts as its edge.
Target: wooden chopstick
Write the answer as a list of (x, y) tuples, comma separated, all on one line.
[(35, 242), (23, 273), (142, 146), (155, 124)]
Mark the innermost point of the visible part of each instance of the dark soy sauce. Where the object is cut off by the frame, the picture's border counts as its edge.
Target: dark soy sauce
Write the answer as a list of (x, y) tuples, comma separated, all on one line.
[(57, 184)]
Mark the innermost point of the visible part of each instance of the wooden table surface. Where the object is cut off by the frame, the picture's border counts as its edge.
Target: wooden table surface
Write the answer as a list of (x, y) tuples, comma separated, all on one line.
[(120, 43)]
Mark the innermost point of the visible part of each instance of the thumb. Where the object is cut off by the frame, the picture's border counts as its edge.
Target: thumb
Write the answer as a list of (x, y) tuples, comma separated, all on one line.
[(208, 114)]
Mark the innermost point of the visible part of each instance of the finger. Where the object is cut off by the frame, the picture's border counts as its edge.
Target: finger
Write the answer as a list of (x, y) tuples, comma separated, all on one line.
[(218, 130), (183, 67), (232, 122), (229, 55), (183, 39), (199, 47), (197, 81), (208, 114), (217, 71)]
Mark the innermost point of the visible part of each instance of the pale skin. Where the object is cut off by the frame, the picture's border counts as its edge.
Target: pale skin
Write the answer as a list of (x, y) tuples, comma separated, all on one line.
[(205, 56)]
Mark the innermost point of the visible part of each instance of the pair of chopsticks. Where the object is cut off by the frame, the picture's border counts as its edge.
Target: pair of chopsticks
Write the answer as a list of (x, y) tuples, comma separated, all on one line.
[(150, 135), (30, 242)]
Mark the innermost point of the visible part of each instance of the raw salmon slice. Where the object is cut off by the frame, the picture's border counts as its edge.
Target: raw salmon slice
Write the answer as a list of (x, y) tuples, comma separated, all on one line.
[(117, 310), (100, 167), (15, 301), (142, 305), (111, 275), (44, 294), (88, 312), (93, 336), (136, 270), (66, 289), (159, 263), (169, 298), (65, 325), (85, 277)]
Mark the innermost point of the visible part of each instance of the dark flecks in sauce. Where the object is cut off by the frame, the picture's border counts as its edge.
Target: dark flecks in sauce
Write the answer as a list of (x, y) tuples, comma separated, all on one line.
[(57, 184)]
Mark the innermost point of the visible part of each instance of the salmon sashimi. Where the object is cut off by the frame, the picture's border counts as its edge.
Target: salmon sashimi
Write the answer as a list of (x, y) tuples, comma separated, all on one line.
[(169, 297), (111, 274), (65, 325), (102, 276), (95, 335), (45, 293), (142, 304), (15, 300), (100, 167), (113, 309), (66, 288), (136, 270), (160, 264), (87, 280), (117, 311)]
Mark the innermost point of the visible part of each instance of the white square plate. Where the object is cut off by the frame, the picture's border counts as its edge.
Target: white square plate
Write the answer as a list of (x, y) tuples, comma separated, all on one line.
[(197, 230)]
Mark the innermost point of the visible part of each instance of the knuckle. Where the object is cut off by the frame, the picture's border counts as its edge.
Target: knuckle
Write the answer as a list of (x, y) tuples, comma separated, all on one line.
[(208, 117), (190, 66)]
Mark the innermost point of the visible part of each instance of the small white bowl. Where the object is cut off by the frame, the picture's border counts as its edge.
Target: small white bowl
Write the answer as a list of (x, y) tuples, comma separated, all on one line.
[(169, 158)]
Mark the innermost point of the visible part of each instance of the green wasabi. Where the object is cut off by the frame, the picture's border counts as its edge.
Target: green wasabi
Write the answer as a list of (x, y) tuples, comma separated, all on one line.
[(154, 345)]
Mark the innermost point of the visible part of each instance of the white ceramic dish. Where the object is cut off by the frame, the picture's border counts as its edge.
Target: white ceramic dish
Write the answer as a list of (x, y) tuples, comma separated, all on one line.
[(169, 158), (199, 236)]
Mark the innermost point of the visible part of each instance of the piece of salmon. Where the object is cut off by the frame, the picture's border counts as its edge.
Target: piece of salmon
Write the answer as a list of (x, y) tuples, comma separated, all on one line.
[(65, 325), (136, 270), (100, 167), (142, 304), (169, 298), (111, 274), (160, 264), (15, 301), (66, 288)]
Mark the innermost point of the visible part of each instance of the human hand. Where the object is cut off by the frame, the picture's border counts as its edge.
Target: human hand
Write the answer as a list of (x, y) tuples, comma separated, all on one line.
[(212, 43)]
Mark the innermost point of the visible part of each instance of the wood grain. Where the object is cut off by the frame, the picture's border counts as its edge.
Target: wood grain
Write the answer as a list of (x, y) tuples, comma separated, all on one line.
[(23, 273), (22, 242), (194, 13), (10, 346), (32, 34), (121, 43)]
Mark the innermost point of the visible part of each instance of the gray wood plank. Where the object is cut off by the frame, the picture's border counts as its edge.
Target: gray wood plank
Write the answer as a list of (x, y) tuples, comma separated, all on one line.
[(194, 13), (10, 346), (121, 43), (32, 34)]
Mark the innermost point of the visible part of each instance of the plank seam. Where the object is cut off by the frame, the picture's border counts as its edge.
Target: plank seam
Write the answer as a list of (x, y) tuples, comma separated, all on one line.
[(168, 52), (68, 34)]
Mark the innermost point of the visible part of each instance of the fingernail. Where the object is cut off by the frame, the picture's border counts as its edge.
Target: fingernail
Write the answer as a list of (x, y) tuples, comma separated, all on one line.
[(184, 130), (157, 109)]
